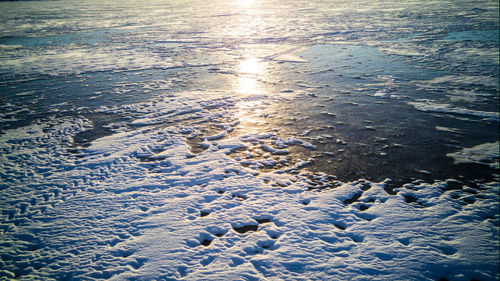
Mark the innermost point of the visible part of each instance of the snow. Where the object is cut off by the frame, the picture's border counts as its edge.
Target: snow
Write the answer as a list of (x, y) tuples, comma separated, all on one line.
[(429, 105), (486, 153), (115, 216), (464, 79), (130, 148), (79, 60)]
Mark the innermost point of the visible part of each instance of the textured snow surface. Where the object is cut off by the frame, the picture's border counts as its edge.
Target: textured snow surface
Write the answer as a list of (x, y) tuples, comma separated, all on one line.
[(136, 206), (483, 153), (249, 140)]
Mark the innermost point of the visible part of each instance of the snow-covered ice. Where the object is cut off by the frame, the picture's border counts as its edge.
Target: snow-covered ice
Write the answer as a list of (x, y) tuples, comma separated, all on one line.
[(486, 153), (249, 140), (136, 207)]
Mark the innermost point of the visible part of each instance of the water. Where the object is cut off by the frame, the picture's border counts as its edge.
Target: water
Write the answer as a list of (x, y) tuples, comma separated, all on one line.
[(474, 35)]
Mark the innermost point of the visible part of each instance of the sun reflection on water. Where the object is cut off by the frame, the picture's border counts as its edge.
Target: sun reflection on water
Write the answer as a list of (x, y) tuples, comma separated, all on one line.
[(246, 3), (250, 66), (249, 84), (249, 71)]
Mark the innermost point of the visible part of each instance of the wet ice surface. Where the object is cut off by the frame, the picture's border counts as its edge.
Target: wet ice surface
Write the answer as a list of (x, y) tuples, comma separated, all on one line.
[(248, 140)]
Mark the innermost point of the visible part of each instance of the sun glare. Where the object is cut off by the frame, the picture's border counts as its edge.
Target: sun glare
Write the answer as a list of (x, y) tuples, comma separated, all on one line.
[(249, 66), (249, 72), (246, 3)]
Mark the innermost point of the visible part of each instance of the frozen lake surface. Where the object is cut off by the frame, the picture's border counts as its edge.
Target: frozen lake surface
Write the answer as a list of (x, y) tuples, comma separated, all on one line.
[(249, 140)]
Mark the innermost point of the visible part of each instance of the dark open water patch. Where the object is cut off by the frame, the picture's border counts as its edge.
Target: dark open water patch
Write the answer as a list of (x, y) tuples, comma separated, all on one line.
[(474, 35), (380, 141), (99, 128), (356, 110)]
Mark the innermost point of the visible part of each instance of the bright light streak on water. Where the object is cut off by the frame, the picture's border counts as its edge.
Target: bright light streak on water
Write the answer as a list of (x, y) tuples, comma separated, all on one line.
[(250, 70)]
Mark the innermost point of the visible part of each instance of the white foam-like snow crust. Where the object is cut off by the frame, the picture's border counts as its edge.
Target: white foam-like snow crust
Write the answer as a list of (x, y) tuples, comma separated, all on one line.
[(432, 106), (78, 60), (486, 153), (464, 79)]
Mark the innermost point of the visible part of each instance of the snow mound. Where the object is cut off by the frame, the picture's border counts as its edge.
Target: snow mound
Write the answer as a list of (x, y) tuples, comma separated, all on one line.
[(486, 153)]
